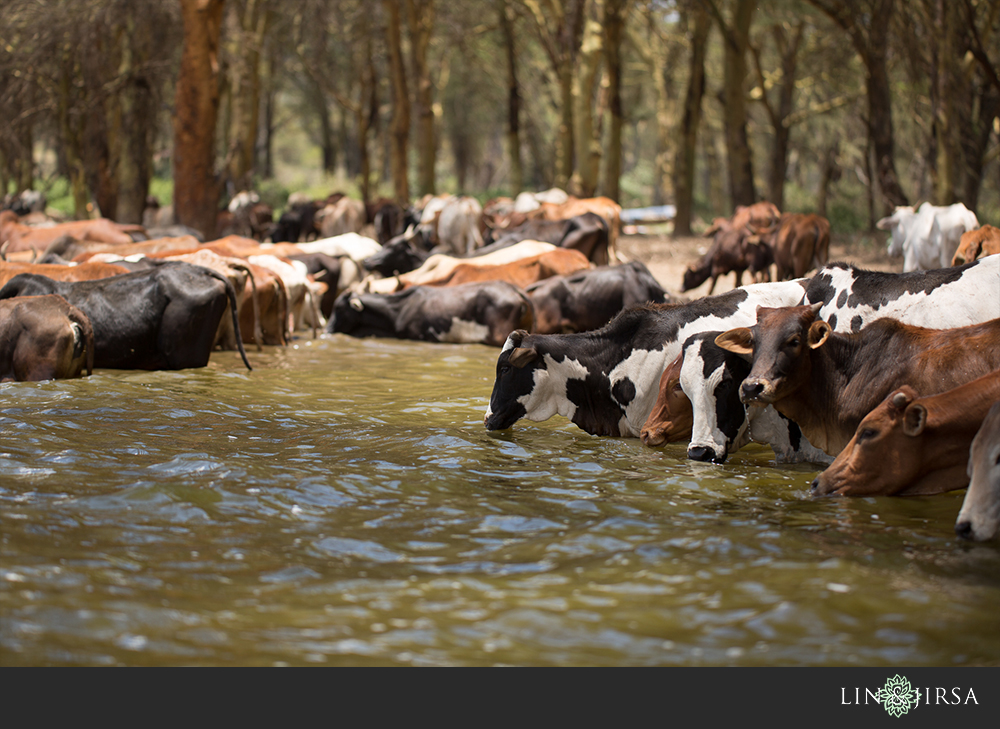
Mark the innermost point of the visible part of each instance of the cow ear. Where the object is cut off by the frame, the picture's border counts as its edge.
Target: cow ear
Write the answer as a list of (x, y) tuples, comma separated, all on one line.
[(819, 331), (914, 420), (356, 304), (521, 356), (739, 341)]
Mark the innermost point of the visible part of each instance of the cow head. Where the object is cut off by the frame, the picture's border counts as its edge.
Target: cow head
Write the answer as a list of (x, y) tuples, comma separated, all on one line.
[(515, 382), (670, 419), (695, 276), (399, 255), (979, 517), (879, 459), (898, 223), (711, 377), (779, 346)]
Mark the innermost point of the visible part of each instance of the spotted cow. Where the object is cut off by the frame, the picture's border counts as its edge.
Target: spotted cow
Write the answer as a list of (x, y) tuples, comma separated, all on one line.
[(605, 381)]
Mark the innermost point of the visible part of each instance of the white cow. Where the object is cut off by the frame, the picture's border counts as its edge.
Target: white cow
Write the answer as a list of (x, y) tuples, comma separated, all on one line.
[(928, 236)]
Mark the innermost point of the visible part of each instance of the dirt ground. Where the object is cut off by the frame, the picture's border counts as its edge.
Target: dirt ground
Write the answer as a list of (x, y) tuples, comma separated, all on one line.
[(667, 257)]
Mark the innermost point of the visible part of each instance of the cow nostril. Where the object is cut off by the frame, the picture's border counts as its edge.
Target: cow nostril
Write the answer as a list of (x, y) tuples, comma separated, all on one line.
[(750, 390), (964, 529), (716, 458), (815, 485)]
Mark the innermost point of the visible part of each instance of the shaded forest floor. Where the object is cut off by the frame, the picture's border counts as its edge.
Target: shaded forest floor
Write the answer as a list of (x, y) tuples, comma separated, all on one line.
[(667, 257)]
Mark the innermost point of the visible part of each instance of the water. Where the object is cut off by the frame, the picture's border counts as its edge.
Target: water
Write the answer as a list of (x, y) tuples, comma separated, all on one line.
[(343, 504)]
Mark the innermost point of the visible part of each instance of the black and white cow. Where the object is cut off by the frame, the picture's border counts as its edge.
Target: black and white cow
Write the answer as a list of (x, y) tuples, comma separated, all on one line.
[(476, 313), (852, 298), (605, 380), (711, 376), (941, 298), (589, 299)]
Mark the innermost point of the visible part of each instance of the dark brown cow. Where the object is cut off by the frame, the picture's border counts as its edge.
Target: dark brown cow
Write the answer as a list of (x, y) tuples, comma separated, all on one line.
[(732, 251), (44, 338), (800, 242), (827, 381), (589, 299), (912, 445)]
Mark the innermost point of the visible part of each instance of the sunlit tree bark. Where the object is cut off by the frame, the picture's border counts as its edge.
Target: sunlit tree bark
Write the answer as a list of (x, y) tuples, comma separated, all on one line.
[(513, 133), (587, 156), (614, 27), (400, 127), (687, 134), (420, 19), (196, 188)]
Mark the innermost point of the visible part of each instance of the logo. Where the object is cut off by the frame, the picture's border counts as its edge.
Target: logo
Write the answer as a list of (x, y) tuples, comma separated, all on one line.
[(897, 696)]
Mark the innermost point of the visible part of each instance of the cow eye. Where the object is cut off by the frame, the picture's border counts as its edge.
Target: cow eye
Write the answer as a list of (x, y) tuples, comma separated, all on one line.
[(866, 434), (504, 369), (794, 342)]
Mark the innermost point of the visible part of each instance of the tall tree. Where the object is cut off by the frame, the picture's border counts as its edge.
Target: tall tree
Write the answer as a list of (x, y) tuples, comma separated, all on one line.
[(196, 187), (400, 130), (587, 154), (700, 24), (559, 25), (420, 20), (735, 36), (867, 23), (250, 20), (787, 42), (615, 12), (513, 134)]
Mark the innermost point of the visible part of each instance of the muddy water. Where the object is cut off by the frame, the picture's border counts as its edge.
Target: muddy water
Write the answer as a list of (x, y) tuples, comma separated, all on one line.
[(343, 504)]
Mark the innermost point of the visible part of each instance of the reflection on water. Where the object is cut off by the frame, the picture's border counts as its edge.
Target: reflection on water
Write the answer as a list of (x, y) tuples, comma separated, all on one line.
[(342, 504)]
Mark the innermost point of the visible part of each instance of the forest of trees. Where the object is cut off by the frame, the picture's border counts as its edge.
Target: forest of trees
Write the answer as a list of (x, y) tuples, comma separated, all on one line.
[(843, 107)]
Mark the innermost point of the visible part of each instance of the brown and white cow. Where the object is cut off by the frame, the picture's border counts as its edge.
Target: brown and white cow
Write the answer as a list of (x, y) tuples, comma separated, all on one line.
[(44, 338), (20, 237), (827, 381), (979, 517), (911, 445)]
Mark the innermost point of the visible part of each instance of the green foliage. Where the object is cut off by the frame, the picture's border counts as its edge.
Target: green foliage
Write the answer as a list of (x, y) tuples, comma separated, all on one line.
[(272, 192), (162, 188), (59, 195)]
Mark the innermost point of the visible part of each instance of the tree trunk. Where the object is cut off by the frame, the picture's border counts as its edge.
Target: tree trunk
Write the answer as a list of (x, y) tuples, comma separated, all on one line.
[(253, 19), (739, 158), (614, 28), (687, 137), (513, 99), (943, 84), (587, 155), (135, 165), (420, 16), (196, 189), (400, 128)]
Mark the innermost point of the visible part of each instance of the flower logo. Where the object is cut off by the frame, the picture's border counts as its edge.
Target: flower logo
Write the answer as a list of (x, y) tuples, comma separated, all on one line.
[(897, 696)]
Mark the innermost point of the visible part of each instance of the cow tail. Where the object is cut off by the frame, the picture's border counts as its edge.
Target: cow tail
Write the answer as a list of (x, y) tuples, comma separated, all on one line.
[(231, 294), (258, 335)]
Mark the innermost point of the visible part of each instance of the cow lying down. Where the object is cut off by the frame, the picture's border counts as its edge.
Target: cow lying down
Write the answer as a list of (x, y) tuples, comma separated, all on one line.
[(44, 338), (474, 313), (165, 317)]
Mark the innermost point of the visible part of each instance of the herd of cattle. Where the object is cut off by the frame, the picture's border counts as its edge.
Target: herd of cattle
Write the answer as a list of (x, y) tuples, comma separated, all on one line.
[(887, 380)]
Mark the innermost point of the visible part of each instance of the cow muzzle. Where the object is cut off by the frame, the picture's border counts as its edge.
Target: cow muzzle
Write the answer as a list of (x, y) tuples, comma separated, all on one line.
[(706, 455), (755, 389)]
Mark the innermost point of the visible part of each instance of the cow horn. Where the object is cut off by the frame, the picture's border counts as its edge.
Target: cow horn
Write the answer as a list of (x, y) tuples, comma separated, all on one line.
[(356, 304), (3, 250), (899, 400)]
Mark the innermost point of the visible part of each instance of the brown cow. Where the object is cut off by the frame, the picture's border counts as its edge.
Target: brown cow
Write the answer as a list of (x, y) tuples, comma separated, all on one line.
[(827, 381), (21, 237), (522, 273), (975, 244), (44, 338), (759, 218), (912, 445), (603, 206), (732, 251), (83, 272), (979, 517), (672, 416), (800, 242)]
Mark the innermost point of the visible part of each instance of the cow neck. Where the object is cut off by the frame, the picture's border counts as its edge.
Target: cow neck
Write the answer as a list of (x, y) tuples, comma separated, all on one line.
[(848, 376)]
